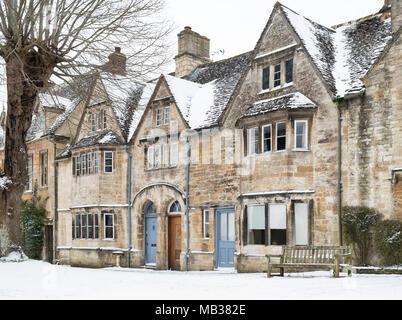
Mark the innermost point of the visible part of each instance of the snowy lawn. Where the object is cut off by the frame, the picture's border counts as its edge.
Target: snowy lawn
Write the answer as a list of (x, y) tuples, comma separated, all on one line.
[(40, 280)]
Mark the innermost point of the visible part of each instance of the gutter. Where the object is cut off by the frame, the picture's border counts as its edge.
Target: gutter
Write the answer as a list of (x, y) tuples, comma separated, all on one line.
[(55, 221)]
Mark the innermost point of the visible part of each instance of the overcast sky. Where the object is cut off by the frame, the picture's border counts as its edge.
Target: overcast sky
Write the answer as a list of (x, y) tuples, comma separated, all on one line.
[(236, 25)]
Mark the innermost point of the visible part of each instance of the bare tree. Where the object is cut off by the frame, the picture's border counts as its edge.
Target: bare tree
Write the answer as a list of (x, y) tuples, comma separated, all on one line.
[(52, 40)]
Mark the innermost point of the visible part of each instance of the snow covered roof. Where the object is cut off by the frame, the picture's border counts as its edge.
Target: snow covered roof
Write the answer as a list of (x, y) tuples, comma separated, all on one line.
[(343, 55), (103, 138), (203, 96), (290, 101), (72, 94), (128, 100), (53, 101)]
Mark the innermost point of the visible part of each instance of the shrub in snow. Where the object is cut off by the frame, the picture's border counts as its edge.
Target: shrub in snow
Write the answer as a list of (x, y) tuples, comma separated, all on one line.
[(388, 241), (357, 226), (15, 256), (33, 221), (4, 241)]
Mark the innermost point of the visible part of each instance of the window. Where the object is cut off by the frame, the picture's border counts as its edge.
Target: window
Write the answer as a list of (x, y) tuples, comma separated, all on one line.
[(289, 71), (104, 119), (44, 169), (227, 232), (301, 224), (150, 158), (267, 138), (277, 75), (96, 164), (85, 226), (265, 78), (301, 131), (84, 164), (84, 233), (108, 162), (96, 226), (253, 141), (29, 169), (277, 224), (256, 225), (90, 168), (93, 122), (165, 155), (109, 226), (159, 117), (175, 207), (167, 115), (205, 224), (77, 165), (99, 120), (281, 136), (158, 156), (90, 226), (174, 154), (78, 226)]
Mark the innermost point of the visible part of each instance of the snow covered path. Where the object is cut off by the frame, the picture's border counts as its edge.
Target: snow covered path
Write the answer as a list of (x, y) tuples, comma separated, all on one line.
[(39, 280)]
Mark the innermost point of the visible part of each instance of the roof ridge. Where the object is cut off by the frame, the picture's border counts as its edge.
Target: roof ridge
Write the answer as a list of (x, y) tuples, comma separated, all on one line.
[(224, 60), (351, 22)]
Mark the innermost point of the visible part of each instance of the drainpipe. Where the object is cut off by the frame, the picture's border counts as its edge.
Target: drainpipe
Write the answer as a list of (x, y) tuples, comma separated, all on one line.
[(55, 217), (187, 201), (340, 186), (129, 177)]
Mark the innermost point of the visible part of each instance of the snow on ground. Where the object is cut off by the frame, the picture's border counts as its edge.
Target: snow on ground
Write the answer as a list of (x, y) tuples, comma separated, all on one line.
[(40, 280)]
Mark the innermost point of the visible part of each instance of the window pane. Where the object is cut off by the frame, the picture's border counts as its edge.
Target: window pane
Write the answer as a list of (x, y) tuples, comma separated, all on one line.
[(289, 71), (167, 115), (78, 227), (159, 117), (231, 227), (277, 76), (301, 224), (99, 120), (224, 227), (174, 155), (301, 135), (267, 138), (205, 220), (108, 220), (96, 168), (253, 141), (90, 226), (265, 79), (277, 216), (108, 162), (84, 226), (281, 136), (256, 225), (150, 157), (104, 119), (96, 227), (278, 237)]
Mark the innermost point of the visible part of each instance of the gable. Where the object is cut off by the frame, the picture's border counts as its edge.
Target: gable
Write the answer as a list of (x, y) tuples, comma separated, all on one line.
[(277, 36)]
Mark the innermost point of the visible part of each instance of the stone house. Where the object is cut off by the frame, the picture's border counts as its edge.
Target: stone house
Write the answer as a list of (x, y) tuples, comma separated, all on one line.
[(258, 151)]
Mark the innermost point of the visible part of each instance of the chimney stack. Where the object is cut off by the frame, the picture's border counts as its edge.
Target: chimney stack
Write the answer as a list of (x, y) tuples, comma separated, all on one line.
[(117, 63), (193, 50)]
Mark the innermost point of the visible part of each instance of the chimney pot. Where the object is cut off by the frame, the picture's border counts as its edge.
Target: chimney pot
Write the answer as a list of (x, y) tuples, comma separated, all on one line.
[(117, 49), (187, 28)]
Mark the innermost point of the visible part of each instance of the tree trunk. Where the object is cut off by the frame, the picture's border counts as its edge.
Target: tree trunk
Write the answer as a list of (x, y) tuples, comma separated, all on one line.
[(24, 79)]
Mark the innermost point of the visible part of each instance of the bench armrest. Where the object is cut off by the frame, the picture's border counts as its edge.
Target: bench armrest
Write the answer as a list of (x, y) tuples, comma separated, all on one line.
[(269, 256)]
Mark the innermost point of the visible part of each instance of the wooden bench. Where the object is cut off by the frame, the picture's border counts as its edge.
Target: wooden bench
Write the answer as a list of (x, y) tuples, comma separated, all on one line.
[(311, 257)]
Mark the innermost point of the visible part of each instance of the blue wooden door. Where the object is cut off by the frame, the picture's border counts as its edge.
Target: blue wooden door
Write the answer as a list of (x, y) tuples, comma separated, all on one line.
[(150, 240), (225, 238)]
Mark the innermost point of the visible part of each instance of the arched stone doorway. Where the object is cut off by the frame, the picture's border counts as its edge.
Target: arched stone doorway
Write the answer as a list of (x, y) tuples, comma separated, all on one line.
[(151, 233)]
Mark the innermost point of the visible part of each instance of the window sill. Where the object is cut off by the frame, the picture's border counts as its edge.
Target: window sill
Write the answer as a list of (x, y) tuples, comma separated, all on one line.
[(301, 150), (109, 240), (205, 239), (286, 85)]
